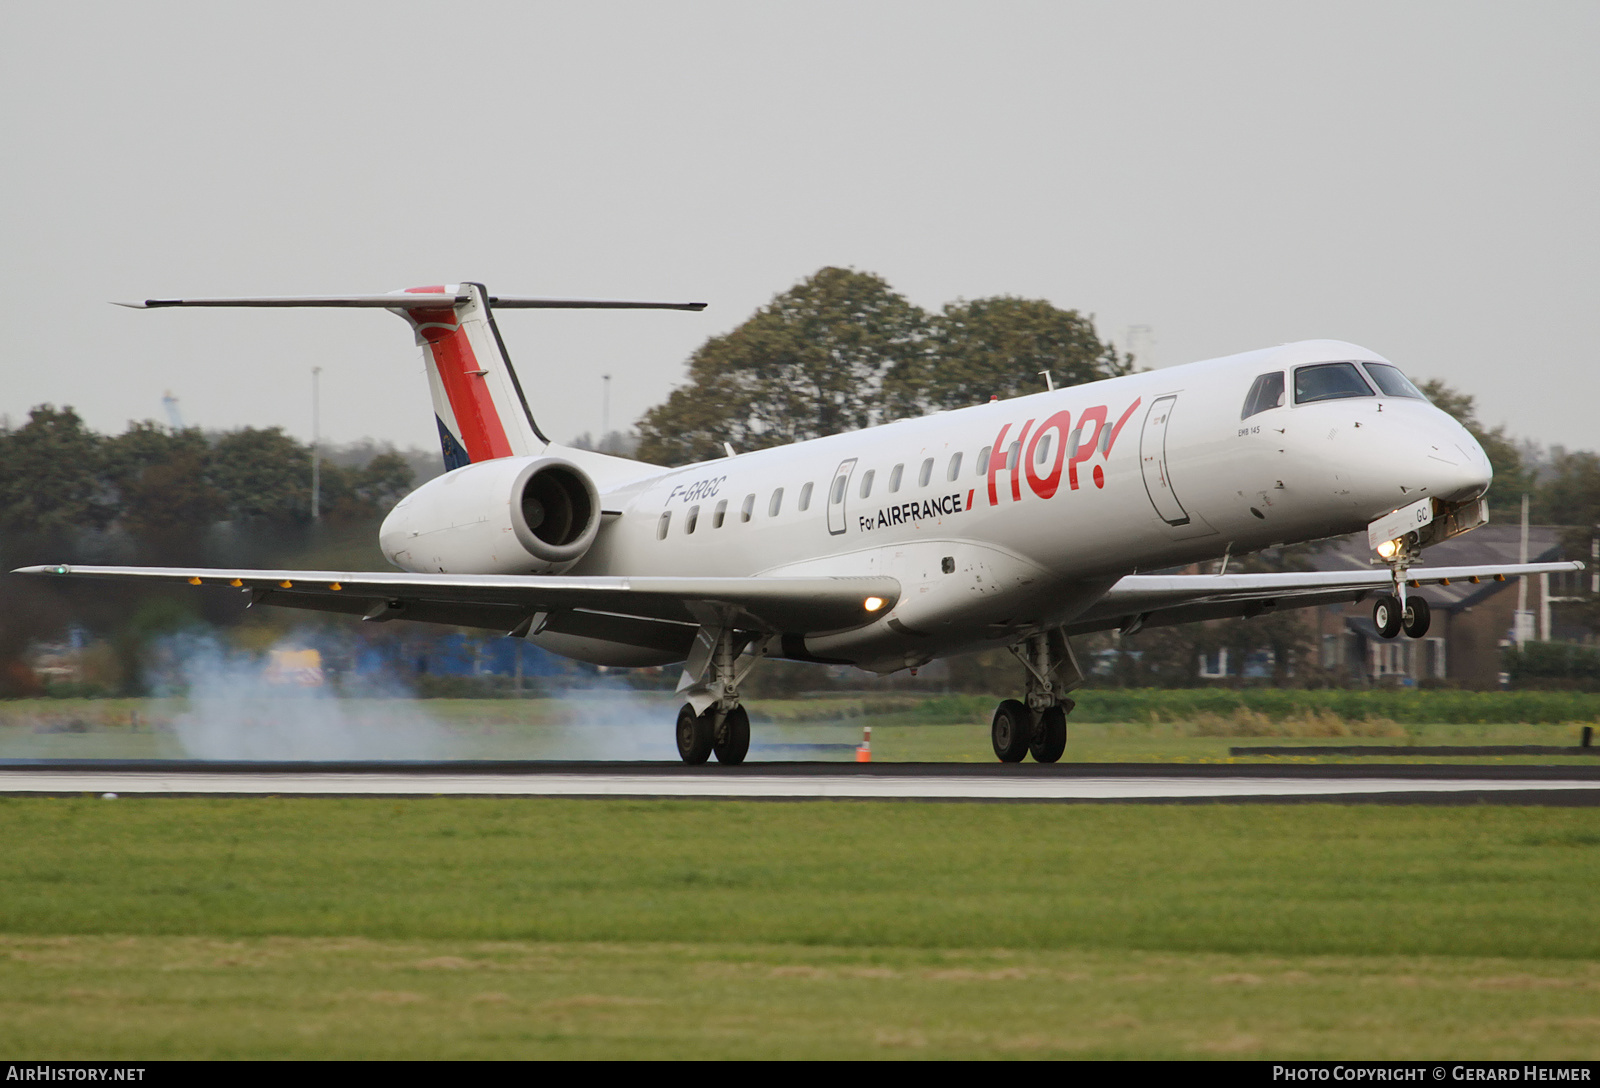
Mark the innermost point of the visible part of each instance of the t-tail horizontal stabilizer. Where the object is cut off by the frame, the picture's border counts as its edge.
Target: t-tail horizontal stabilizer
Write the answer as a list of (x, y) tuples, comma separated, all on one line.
[(478, 402)]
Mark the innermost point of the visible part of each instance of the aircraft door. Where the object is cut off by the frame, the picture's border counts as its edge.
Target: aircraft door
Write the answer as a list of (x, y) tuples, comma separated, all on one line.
[(1153, 462), (837, 491)]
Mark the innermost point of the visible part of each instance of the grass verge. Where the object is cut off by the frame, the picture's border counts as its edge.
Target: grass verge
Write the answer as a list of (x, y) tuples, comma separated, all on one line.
[(443, 927)]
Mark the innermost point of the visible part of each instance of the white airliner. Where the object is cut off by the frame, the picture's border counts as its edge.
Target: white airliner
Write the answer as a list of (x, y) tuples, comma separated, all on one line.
[(1015, 523)]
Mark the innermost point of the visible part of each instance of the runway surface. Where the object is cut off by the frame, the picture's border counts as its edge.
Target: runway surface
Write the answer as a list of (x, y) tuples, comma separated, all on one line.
[(1082, 782)]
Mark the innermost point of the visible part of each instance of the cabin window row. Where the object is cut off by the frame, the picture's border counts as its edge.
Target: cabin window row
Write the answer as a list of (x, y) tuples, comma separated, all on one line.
[(867, 482)]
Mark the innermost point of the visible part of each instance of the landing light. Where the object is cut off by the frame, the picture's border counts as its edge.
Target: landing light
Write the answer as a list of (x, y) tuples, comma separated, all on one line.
[(872, 604), (1386, 549)]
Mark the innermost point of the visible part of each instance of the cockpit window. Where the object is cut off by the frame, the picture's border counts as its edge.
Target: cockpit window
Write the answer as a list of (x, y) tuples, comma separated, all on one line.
[(1266, 392), (1329, 381), (1391, 381)]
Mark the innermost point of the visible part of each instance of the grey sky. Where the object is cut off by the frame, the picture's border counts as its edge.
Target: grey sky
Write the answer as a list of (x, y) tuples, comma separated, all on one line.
[(1420, 178)]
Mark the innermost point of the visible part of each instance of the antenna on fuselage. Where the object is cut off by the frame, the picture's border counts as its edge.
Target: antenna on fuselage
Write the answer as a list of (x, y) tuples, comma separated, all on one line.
[(1049, 381)]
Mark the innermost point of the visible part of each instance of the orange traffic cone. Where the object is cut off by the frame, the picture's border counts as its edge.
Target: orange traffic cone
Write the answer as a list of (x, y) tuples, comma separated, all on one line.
[(864, 749)]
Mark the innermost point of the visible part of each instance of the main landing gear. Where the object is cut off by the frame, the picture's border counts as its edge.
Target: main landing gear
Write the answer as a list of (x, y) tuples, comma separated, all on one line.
[(701, 734), (1038, 726), (713, 721)]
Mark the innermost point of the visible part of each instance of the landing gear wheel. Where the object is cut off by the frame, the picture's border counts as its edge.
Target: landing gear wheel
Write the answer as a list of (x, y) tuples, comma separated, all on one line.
[(1386, 615), (1416, 617), (694, 734), (1011, 731), (1050, 739), (735, 740)]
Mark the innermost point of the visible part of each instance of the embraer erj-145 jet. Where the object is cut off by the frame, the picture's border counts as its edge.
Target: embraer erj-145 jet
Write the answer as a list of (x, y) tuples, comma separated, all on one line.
[(1015, 523)]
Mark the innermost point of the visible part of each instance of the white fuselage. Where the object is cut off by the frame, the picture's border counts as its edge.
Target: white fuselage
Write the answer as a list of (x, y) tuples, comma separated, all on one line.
[(1129, 474)]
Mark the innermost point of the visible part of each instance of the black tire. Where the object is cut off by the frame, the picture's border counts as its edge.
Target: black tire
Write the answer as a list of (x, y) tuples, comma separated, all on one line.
[(1386, 616), (1050, 739), (735, 742), (1417, 617), (1011, 731), (694, 735)]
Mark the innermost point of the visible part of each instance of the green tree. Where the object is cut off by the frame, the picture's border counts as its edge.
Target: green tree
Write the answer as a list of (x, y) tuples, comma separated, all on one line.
[(812, 362), (262, 474), (164, 499), (998, 347), (383, 481), (1569, 493), (49, 475)]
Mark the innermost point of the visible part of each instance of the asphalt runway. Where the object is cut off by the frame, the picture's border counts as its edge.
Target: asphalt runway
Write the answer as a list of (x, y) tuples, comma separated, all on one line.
[(993, 782)]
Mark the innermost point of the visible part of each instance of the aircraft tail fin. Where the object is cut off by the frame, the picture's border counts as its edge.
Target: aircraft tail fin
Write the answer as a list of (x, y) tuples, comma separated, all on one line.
[(478, 402)]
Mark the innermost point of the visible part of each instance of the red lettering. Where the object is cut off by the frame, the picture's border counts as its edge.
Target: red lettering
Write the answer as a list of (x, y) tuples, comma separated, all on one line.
[(1085, 450), (1112, 441), (1016, 469), (1045, 486), (997, 461)]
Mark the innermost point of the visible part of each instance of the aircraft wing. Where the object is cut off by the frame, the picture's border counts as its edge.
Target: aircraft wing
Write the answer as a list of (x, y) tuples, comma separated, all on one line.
[(1155, 600), (662, 612)]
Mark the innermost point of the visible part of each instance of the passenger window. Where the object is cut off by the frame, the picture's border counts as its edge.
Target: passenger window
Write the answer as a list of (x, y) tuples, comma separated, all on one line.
[(663, 525), (805, 497), (691, 519), (718, 514), (1265, 392), (748, 508), (982, 465), (955, 465), (894, 477), (838, 489), (1012, 456), (926, 474), (776, 504), (1392, 382), (1329, 381), (1043, 455), (866, 482)]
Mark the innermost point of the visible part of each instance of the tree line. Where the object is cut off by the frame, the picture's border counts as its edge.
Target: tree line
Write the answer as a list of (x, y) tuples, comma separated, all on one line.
[(153, 493)]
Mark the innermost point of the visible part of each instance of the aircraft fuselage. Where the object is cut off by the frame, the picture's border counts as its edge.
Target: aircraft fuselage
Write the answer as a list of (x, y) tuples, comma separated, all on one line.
[(1015, 516)]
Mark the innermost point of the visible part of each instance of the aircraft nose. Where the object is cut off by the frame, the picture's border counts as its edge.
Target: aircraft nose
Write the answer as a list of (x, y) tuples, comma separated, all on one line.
[(1450, 463)]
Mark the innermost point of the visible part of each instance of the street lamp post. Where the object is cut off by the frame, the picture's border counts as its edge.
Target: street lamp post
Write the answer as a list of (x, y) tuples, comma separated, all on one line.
[(316, 451)]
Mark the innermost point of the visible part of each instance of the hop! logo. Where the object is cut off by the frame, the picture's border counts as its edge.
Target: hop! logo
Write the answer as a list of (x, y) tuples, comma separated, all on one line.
[(1070, 448)]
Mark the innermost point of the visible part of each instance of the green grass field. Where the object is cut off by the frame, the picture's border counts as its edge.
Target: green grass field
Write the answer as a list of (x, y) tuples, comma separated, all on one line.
[(166, 928)]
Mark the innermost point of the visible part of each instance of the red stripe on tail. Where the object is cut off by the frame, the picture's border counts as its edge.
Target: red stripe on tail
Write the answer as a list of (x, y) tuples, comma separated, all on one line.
[(482, 433)]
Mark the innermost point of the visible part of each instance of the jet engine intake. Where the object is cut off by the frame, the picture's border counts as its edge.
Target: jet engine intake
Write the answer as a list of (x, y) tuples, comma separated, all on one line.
[(512, 515)]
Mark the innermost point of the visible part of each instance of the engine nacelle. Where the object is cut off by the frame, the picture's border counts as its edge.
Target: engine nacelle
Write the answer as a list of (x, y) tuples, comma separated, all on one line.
[(512, 515)]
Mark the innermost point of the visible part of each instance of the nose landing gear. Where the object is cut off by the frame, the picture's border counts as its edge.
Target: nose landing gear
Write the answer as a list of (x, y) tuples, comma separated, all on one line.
[(1397, 611), (1039, 725)]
